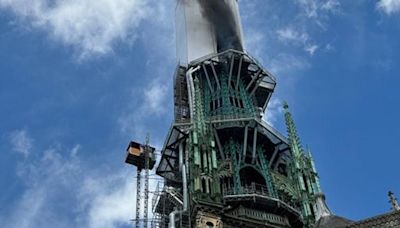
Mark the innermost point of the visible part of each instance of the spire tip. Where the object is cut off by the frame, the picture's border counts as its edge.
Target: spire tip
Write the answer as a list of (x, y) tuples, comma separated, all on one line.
[(285, 105), (393, 201)]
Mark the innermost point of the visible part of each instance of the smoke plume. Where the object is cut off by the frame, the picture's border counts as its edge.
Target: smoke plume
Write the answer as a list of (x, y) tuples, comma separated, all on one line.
[(222, 18)]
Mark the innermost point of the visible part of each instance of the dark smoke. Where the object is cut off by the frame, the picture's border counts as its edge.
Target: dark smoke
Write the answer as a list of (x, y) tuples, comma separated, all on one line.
[(219, 14)]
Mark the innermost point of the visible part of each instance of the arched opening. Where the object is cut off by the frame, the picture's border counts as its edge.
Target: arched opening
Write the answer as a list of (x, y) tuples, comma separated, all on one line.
[(210, 225), (249, 175)]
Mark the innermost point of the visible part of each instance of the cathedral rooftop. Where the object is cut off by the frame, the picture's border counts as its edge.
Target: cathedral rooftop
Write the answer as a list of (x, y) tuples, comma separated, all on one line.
[(332, 221)]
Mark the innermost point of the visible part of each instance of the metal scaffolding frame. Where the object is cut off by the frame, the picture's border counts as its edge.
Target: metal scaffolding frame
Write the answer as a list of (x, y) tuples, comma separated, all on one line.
[(143, 158)]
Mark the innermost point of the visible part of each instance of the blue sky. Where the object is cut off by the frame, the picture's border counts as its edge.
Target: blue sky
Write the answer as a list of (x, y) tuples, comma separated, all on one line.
[(79, 79)]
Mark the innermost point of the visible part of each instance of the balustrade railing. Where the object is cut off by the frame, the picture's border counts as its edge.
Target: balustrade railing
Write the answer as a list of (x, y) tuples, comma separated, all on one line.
[(253, 188)]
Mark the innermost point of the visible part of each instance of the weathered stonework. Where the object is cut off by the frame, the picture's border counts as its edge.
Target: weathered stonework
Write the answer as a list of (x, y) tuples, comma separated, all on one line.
[(207, 220), (388, 220)]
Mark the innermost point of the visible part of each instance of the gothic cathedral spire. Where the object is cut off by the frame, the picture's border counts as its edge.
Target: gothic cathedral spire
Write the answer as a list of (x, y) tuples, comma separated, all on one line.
[(305, 175)]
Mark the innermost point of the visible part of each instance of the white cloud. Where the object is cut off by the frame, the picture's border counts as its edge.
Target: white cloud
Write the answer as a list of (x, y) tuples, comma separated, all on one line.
[(255, 43), (389, 6), (311, 16), (285, 64), (61, 190), (21, 142), (150, 103), (329, 47), (331, 5), (155, 97), (108, 200), (310, 7), (75, 150), (290, 34), (51, 181), (90, 26), (311, 49), (314, 8), (274, 110)]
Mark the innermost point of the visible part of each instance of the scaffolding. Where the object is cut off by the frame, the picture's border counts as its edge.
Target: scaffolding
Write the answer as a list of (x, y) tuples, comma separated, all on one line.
[(143, 158), (165, 200)]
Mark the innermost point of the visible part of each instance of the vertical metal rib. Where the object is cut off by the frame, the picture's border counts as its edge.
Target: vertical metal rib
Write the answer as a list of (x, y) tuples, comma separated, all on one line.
[(238, 73), (138, 198), (246, 131), (231, 71), (254, 145), (208, 78), (221, 152), (215, 75), (146, 188)]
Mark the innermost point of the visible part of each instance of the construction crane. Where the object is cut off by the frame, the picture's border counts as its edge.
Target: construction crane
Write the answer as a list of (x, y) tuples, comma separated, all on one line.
[(143, 157)]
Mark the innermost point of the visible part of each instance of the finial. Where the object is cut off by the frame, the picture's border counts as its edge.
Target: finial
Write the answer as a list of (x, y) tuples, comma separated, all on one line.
[(285, 105), (309, 153), (147, 139), (393, 201), (293, 138), (308, 150)]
